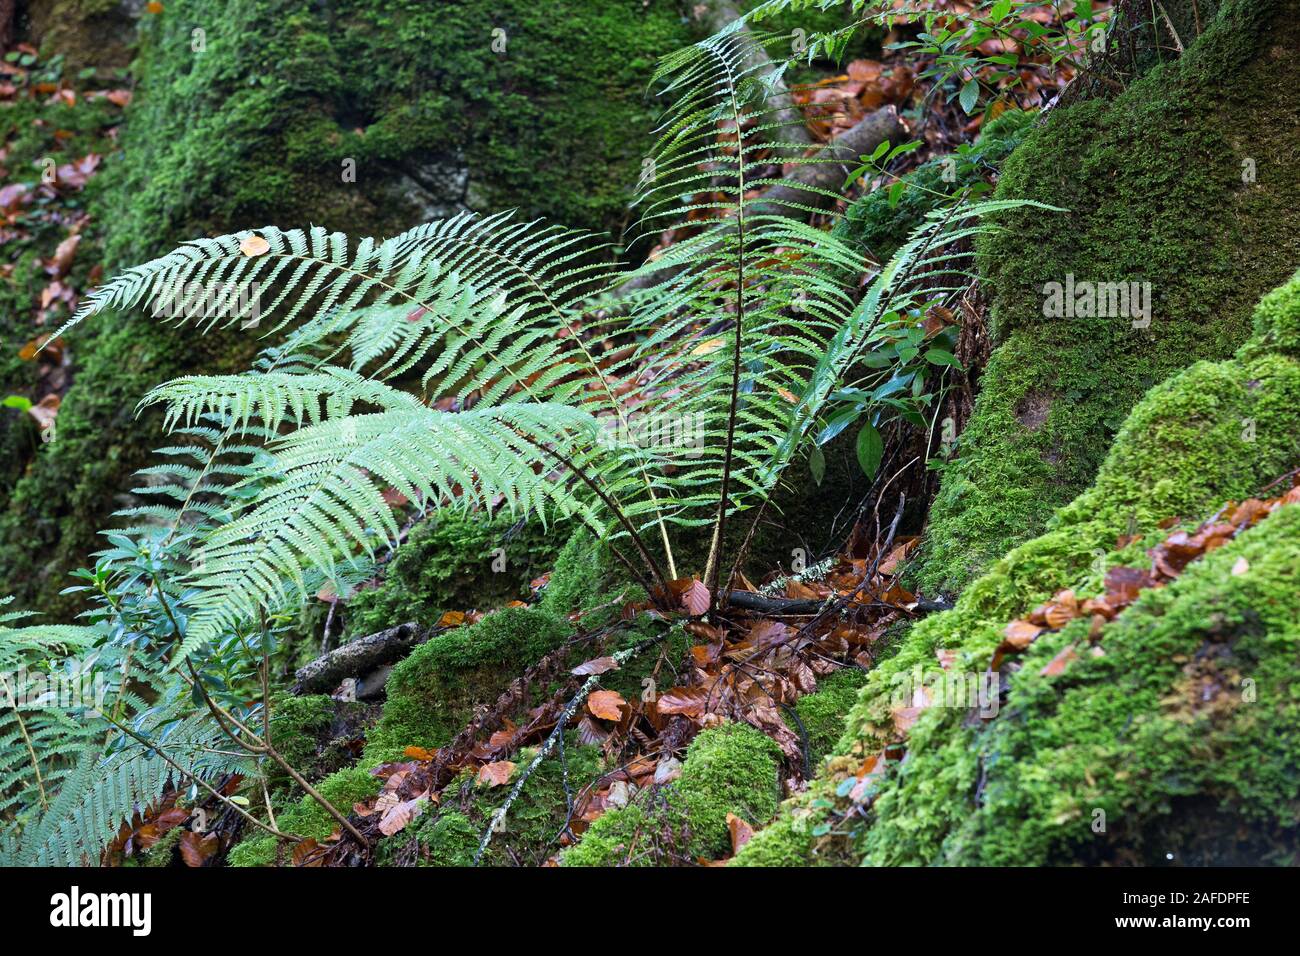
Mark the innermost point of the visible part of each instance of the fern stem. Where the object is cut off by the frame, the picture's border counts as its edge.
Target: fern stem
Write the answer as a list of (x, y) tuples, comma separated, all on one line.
[(31, 751), (713, 565), (622, 518)]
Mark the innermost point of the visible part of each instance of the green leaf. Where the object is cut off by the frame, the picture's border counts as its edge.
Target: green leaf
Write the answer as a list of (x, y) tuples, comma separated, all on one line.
[(1001, 10), (970, 94), (817, 465), (870, 448), (941, 357), (18, 402)]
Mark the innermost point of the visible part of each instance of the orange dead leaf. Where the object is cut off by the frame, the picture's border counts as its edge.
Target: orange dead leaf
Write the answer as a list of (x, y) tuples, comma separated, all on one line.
[(606, 704), (254, 246), (495, 774)]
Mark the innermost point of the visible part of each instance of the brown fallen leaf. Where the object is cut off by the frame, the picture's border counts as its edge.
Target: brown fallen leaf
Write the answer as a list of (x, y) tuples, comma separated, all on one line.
[(197, 848), (597, 665), (695, 599), (397, 817), (741, 832), (606, 704), (1060, 662), (496, 773)]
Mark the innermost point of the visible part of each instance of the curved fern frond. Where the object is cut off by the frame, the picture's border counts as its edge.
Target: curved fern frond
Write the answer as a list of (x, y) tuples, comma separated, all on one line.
[(326, 500)]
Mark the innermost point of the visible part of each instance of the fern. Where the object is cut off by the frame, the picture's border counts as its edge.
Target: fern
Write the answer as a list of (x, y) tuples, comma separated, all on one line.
[(742, 330)]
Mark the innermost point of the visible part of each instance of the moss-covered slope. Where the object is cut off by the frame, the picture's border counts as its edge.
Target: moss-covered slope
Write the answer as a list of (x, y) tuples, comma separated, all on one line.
[(1186, 181), (1181, 733)]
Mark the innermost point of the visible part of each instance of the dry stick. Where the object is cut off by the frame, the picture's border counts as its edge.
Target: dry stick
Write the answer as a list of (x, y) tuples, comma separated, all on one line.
[(256, 745), (202, 783), (569, 710)]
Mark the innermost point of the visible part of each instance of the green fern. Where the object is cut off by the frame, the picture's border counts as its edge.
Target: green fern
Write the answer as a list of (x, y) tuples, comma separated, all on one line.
[(741, 330)]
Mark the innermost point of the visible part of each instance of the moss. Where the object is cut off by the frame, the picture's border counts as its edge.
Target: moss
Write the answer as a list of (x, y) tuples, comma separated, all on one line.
[(298, 725), (163, 853), (1125, 733), (822, 713), (307, 818), (432, 692), (732, 768), (1153, 181), (450, 562), (449, 834), (255, 851)]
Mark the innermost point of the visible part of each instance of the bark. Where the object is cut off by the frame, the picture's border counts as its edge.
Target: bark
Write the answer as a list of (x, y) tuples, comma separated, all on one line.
[(357, 658)]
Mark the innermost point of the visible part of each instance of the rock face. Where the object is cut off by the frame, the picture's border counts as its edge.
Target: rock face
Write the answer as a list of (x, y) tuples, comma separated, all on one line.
[(358, 115)]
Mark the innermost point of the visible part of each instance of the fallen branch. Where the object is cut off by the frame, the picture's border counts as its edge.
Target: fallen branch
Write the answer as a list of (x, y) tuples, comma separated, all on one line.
[(357, 657)]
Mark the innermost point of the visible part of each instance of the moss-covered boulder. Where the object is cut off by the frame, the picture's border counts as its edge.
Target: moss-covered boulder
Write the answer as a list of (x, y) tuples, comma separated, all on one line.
[(455, 562), (1185, 181), (729, 769), (1179, 736), (431, 694)]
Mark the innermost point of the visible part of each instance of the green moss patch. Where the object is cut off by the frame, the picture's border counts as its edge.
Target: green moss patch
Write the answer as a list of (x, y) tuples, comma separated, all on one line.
[(732, 768), (1185, 181)]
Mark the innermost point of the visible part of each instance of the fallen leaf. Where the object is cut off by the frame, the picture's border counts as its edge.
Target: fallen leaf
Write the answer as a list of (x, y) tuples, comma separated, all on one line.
[(1240, 568), (254, 246), (741, 832), (1058, 663), (597, 665), (695, 599), (495, 774), (197, 848), (396, 818), (682, 700), (606, 704)]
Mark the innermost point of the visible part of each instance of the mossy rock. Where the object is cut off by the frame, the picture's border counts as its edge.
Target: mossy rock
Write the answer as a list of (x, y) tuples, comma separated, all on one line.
[(1180, 737), (256, 118), (432, 692), (455, 562), (1187, 181), (449, 835), (732, 768)]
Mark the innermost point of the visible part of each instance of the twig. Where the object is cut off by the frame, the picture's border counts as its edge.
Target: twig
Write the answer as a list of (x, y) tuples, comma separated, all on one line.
[(548, 745)]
